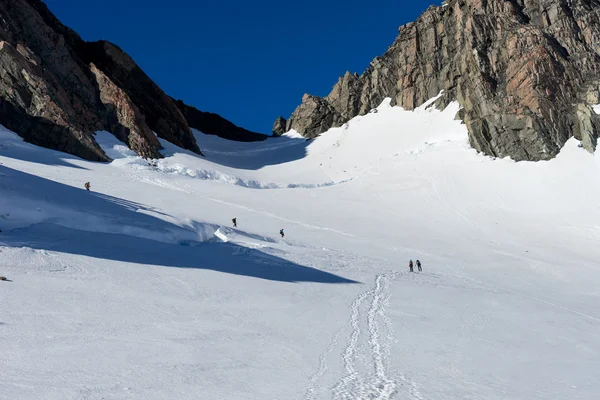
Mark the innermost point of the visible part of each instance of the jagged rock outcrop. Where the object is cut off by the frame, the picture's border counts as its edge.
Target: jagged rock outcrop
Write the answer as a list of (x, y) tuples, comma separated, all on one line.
[(213, 124), (46, 95), (56, 90), (314, 115), (162, 115), (279, 126), (124, 118), (522, 70)]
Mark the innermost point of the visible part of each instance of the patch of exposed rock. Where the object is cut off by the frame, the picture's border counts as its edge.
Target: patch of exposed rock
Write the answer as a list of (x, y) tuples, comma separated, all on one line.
[(161, 113), (124, 118), (279, 127)]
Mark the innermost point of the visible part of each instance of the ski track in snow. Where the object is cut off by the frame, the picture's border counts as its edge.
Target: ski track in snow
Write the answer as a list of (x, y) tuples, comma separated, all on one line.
[(385, 387), (379, 383), (314, 379), (367, 309), (348, 387)]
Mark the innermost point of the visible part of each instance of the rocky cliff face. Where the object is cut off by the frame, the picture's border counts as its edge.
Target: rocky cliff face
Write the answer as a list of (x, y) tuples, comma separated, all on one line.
[(56, 90), (524, 71), (124, 119), (47, 95), (162, 115)]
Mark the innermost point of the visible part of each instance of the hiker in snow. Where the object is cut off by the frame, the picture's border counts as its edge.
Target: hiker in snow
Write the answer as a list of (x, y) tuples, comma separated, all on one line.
[(419, 266), (87, 186), (234, 220), (281, 233), (410, 266)]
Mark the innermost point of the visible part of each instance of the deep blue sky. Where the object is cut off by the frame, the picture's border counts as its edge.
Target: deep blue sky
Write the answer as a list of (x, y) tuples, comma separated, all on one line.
[(249, 61)]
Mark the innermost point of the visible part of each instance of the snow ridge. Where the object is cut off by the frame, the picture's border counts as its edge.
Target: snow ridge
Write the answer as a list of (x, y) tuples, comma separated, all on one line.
[(212, 175)]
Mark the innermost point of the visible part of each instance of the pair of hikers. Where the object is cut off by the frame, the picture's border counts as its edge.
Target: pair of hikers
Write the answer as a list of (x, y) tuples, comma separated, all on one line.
[(410, 266), (234, 221)]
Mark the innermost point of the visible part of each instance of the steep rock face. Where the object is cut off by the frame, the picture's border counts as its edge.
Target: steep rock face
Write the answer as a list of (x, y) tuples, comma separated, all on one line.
[(56, 90), (124, 119), (279, 127), (36, 67), (314, 115), (162, 115), (214, 124), (523, 71)]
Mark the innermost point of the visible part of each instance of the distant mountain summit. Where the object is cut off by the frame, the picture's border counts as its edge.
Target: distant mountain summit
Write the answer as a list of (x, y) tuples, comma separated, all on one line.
[(526, 73), (56, 90), (214, 124)]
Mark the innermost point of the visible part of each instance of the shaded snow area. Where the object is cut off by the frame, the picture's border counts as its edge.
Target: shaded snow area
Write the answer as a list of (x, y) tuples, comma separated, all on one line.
[(178, 161), (142, 289)]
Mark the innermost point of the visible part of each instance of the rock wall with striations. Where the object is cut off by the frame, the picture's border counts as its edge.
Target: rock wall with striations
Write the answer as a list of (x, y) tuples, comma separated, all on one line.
[(46, 94), (56, 89), (524, 71)]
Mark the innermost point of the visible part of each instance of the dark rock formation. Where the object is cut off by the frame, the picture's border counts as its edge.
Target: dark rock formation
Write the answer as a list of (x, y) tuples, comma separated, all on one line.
[(48, 96), (524, 71), (314, 115), (162, 115), (214, 124), (279, 126), (56, 90), (124, 119)]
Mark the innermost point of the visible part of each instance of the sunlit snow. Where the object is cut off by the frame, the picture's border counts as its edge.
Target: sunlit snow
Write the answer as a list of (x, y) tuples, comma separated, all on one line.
[(143, 289)]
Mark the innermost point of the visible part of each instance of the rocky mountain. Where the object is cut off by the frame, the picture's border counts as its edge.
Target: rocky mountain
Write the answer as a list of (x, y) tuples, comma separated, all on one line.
[(56, 90), (214, 124), (525, 72)]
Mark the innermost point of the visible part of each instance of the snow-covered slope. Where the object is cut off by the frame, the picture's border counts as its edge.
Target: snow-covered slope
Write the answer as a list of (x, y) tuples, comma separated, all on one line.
[(142, 289)]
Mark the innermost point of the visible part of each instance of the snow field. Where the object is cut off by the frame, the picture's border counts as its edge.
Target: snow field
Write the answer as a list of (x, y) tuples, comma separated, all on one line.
[(142, 289)]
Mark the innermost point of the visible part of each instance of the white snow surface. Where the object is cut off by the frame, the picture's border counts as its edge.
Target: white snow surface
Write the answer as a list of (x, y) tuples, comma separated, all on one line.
[(597, 108), (142, 289)]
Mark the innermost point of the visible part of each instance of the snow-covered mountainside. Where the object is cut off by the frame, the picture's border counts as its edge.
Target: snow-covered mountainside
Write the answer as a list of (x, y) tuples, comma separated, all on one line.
[(142, 289), (525, 72)]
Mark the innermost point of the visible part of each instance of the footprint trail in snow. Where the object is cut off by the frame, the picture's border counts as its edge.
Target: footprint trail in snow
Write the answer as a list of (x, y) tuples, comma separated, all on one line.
[(368, 377)]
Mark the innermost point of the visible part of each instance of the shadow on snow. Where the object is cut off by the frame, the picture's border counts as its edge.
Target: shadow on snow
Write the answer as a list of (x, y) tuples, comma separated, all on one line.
[(12, 146), (251, 155), (221, 257), (136, 237)]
